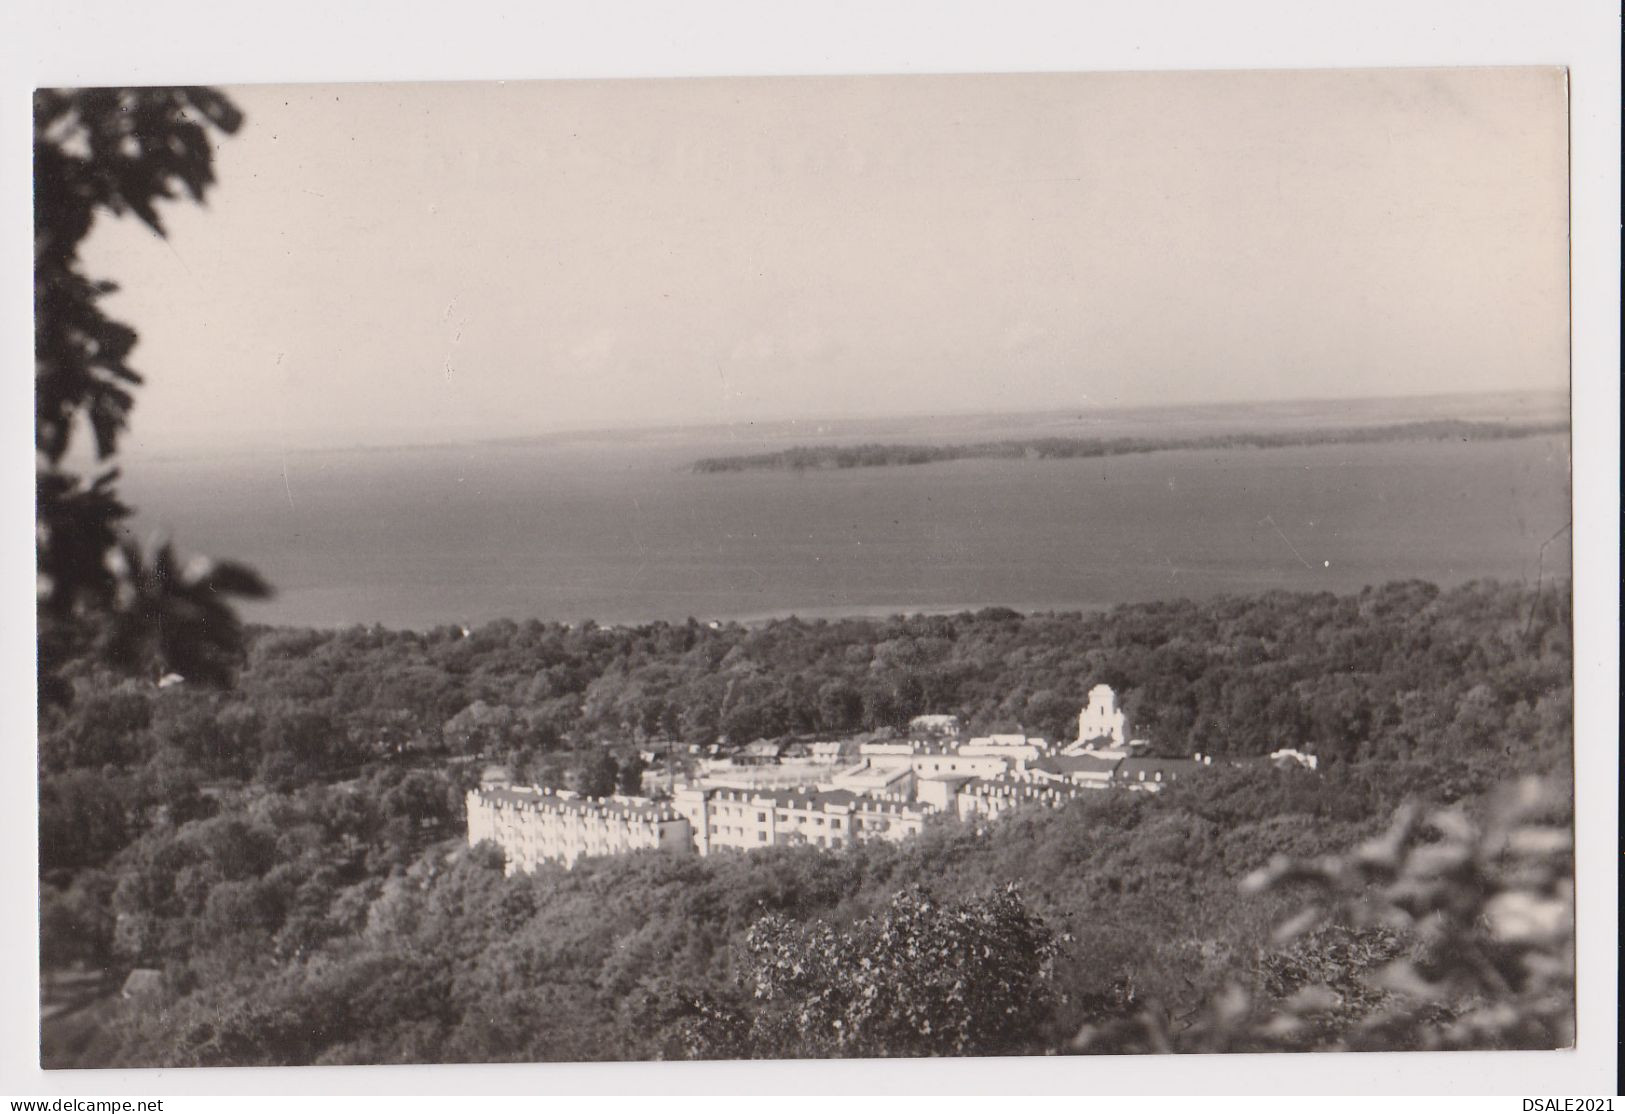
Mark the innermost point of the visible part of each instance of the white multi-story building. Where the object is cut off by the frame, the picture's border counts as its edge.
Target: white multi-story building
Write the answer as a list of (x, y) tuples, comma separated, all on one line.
[(535, 825), (990, 797), (744, 819)]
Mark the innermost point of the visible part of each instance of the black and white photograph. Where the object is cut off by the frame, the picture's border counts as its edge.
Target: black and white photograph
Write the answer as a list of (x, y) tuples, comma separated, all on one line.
[(804, 567)]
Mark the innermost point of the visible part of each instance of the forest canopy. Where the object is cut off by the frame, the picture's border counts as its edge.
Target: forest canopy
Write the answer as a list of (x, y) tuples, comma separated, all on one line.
[(289, 854)]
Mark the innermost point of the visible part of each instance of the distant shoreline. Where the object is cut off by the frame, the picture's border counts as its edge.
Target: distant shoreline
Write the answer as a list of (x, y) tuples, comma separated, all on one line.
[(1501, 405), (833, 613), (888, 613), (804, 457)]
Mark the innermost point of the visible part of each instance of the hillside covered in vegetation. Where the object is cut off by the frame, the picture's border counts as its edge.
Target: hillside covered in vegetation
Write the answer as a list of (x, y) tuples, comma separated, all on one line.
[(288, 853)]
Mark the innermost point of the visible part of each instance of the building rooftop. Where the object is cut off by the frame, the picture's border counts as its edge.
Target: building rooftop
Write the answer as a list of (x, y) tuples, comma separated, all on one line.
[(816, 799), (543, 799), (1132, 767), (1076, 763), (143, 981), (762, 748)]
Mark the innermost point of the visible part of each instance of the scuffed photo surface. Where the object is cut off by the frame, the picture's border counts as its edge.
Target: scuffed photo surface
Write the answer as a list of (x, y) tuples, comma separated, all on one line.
[(788, 568)]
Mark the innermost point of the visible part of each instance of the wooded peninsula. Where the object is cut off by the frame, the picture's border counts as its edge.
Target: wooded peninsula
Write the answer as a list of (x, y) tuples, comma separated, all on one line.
[(803, 457)]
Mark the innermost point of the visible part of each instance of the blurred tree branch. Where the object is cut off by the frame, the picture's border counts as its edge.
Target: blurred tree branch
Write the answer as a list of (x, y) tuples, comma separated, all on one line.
[(1446, 932), (122, 151)]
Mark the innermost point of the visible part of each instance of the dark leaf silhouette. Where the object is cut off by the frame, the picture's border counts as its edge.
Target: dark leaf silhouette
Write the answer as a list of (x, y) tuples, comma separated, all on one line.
[(119, 151), (170, 618)]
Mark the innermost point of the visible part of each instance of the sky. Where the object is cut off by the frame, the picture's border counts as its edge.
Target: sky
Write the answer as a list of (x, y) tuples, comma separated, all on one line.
[(385, 264)]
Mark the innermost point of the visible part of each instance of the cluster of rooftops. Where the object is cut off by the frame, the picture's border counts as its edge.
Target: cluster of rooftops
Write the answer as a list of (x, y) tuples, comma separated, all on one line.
[(936, 767)]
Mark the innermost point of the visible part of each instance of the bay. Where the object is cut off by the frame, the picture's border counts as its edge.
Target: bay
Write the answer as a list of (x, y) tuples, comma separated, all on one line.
[(616, 529)]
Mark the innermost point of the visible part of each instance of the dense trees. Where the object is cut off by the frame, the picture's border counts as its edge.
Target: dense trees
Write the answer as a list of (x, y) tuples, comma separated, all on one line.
[(598, 775), (1402, 673), (1448, 930), (288, 852), (922, 977), (1128, 934)]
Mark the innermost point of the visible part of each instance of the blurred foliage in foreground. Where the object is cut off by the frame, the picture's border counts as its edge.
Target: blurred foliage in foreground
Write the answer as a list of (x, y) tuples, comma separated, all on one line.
[(1443, 932), (112, 151)]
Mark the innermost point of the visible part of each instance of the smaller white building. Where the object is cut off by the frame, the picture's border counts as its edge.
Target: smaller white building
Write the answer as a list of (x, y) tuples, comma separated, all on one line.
[(934, 725), (940, 792), (882, 780), (1287, 757), (1013, 748)]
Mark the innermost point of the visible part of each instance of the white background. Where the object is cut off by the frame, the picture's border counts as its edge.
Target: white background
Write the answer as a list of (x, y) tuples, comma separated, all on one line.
[(93, 42)]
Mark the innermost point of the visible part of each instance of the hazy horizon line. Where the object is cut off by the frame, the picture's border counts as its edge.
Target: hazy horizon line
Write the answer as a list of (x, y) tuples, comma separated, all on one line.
[(138, 452)]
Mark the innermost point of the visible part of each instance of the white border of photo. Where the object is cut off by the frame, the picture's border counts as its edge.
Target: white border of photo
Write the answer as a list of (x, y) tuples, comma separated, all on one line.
[(95, 42)]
